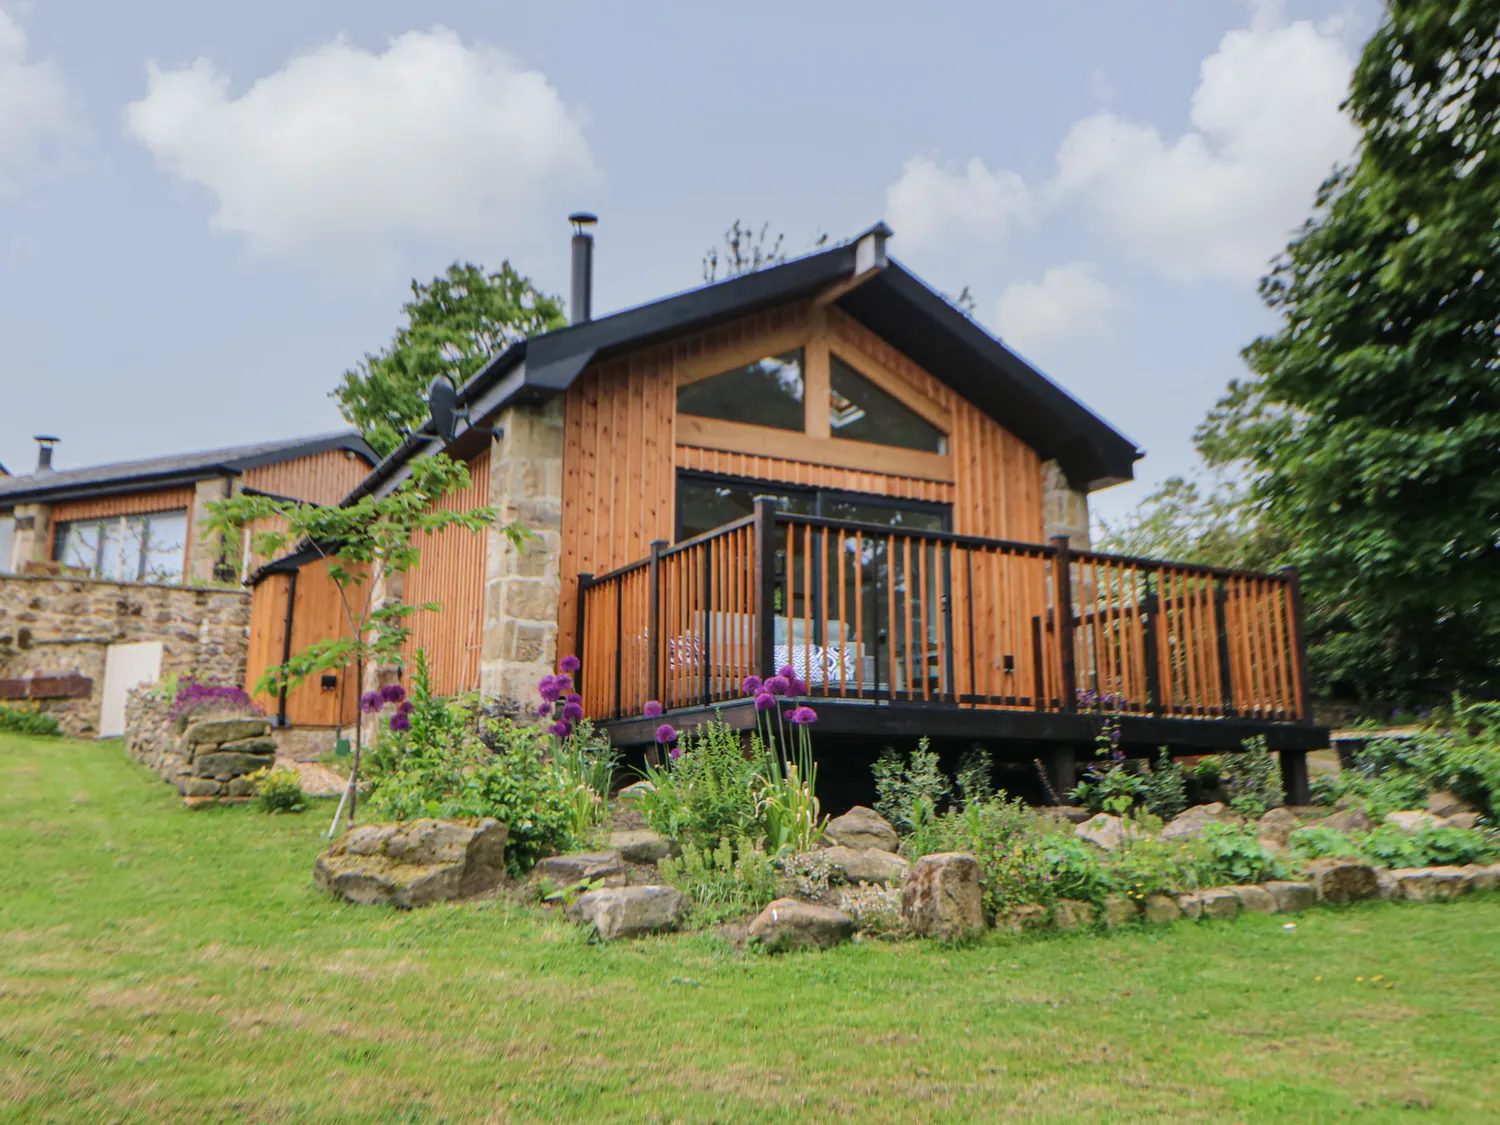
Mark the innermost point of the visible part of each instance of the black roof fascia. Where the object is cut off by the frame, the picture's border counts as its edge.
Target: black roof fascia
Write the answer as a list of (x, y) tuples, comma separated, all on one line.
[(351, 442), (150, 482)]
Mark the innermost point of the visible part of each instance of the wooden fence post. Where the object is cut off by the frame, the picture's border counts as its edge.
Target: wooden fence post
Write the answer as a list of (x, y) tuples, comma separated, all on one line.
[(1062, 562)]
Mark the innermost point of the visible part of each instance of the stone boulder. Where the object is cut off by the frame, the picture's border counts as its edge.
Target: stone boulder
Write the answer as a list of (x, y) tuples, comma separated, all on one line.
[(1291, 898), (414, 863), (1275, 828), (1483, 878), (1105, 831), (1431, 884), (1461, 820), (632, 794), (622, 912), (641, 845), (222, 765), (567, 870), (789, 923), (861, 828), (1348, 820), (1443, 803), (226, 730), (1017, 919), (942, 896), (1342, 880), (1216, 902), (1255, 899), (1121, 910), (1161, 909), (1189, 825), (1071, 914), (1412, 821), (870, 865)]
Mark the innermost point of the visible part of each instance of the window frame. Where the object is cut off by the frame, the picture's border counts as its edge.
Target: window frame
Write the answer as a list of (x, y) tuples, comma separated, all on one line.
[(122, 525), (820, 497)]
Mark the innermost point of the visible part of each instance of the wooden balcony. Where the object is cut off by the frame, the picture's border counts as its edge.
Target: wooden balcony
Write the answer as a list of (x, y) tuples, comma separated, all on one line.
[(899, 631)]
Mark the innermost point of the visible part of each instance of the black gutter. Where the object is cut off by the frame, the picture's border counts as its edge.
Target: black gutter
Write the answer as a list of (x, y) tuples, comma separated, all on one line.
[(286, 647)]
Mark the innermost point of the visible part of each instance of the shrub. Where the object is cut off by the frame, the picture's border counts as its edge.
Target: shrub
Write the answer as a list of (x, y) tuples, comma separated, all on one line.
[(1005, 837), (973, 779), (1148, 867), (1228, 853), (1115, 788), (1455, 847), (707, 793), (1253, 779), (811, 874), (23, 720), (730, 880), (1318, 841), (910, 792), (279, 791), (1389, 846), (1165, 793), (1072, 870)]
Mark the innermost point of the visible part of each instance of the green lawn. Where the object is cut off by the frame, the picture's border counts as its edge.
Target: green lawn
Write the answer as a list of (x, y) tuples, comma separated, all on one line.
[(158, 964)]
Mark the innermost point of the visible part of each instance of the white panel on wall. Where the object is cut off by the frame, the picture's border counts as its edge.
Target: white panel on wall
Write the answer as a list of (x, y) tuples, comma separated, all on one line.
[(124, 667)]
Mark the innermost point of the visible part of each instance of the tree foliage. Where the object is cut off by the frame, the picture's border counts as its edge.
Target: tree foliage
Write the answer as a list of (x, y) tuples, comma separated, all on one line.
[(746, 250), (1370, 425), (1216, 523), (453, 325)]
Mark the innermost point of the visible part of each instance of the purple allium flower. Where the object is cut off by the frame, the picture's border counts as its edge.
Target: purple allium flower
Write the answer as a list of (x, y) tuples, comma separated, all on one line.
[(675, 753), (407, 707), (400, 722), (652, 709), (563, 681), (569, 664), (666, 733), (787, 672), (797, 687), (572, 697), (562, 728), (572, 712), (765, 701), (750, 685), (543, 710), (549, 689), (371, 702), (393, 693), (802, 716), (778, 685)]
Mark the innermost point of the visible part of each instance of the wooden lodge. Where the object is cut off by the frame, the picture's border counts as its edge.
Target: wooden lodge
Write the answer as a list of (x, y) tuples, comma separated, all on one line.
[(822, 464)]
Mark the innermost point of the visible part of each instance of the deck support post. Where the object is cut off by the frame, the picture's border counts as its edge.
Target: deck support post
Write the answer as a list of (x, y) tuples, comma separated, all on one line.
[(1294, 776), (1062, 562), (765, 586), (653, 626), (1062, 770)]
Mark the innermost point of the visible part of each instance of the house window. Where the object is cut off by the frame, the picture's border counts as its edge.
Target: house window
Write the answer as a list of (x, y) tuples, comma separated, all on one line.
[(705, 502), (7, 540), (767, 392), (145, 548), (858, 410)]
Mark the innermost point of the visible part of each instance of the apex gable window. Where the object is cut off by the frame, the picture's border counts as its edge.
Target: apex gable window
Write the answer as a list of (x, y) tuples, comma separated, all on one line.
[(858, 410), (767, 392), (148, 548)]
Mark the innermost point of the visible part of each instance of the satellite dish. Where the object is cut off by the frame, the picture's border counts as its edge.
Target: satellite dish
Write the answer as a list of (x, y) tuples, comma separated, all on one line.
[(442, 404)]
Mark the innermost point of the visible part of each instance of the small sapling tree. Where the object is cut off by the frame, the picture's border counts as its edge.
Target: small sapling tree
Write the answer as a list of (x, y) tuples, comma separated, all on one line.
[(362, 542)]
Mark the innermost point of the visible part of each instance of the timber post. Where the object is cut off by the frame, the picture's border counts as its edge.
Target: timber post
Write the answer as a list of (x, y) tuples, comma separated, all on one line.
[(765, 587), (584, 580), (1062, 561), (1294, 776), (653, 622)]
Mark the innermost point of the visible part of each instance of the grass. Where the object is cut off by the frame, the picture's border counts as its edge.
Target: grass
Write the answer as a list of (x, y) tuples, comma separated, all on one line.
[(161, 965)]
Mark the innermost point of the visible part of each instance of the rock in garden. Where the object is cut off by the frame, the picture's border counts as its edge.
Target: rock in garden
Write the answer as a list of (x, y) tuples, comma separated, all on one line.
[(870, 865), (226, 730), (1342, 880), (1348, 820), (415, 863), (227, 765), (1430, 884), (1105, 831), (789, 923), (633, 793), (249, 746), (1390, 890), (1255, 899), (942, 896), (1441, 802), (201, 787), (621, 912), (1291, 898), (642, 845), (1411, 821), (567, 870), (861, 828), (1071, 914), (1461, 820), (1121, 910), (1161, 909), (1027, 916), (1216, 902), (1483, 878), (1189, 825), (1276, 828), (1068, 814)]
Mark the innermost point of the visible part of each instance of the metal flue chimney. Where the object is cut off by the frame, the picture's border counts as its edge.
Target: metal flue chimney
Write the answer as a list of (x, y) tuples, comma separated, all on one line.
[(44, 446), (580, 307)]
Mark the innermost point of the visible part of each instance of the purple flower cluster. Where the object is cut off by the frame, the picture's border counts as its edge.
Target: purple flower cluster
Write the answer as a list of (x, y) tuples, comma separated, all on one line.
[(194, 696), (786, 683), (559, 699), (373, 702)]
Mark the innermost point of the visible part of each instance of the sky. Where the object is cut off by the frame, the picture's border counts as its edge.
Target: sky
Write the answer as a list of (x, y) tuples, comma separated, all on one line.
[(208, 212)]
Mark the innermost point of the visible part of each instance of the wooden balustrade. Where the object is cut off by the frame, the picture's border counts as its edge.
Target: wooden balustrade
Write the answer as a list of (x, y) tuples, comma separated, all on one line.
[(884, 614)]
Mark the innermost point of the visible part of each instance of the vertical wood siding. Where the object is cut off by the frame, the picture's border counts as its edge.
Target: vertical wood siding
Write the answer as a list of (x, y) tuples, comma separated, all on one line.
[(319, 615), (134, 504), (323, 478), (452, 573)]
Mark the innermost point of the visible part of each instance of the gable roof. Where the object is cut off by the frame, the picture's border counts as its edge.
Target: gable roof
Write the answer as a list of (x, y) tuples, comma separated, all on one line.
[(892, 302), (165, 472)]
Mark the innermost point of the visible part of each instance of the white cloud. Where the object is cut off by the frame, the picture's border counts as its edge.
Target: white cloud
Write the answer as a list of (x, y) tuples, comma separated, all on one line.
[(929, 206), (34, 109), (1221, 199), (344, 155), (1069, 300)]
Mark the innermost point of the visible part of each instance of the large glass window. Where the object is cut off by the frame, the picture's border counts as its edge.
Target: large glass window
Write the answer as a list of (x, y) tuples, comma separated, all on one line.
[(144, 548), (767, 392), (860, 411)]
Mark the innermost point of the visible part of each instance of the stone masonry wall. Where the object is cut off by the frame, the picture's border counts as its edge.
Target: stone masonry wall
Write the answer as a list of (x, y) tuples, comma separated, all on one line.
[(1065, 511), (56, 626), (209, 757), (522, 588)]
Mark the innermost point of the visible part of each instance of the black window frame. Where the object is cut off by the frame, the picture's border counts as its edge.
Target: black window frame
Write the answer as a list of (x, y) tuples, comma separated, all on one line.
[(819, 496)]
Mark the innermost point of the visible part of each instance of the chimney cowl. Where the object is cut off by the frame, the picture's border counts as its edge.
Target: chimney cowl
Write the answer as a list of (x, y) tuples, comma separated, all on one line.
[(44, 444), (580, 305)]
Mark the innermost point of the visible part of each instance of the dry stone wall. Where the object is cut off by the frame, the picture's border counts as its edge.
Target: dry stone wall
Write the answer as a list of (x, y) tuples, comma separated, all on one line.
[(210, 757), (64, 626)]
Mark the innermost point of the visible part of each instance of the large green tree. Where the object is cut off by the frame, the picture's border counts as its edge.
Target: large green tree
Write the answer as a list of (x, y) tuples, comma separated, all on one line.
[(1371, 423), (453, 325)]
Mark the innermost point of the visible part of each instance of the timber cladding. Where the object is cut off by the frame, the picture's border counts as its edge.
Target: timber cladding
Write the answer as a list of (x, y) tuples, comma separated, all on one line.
[(318, 615), (624, 442), (323, 478)]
